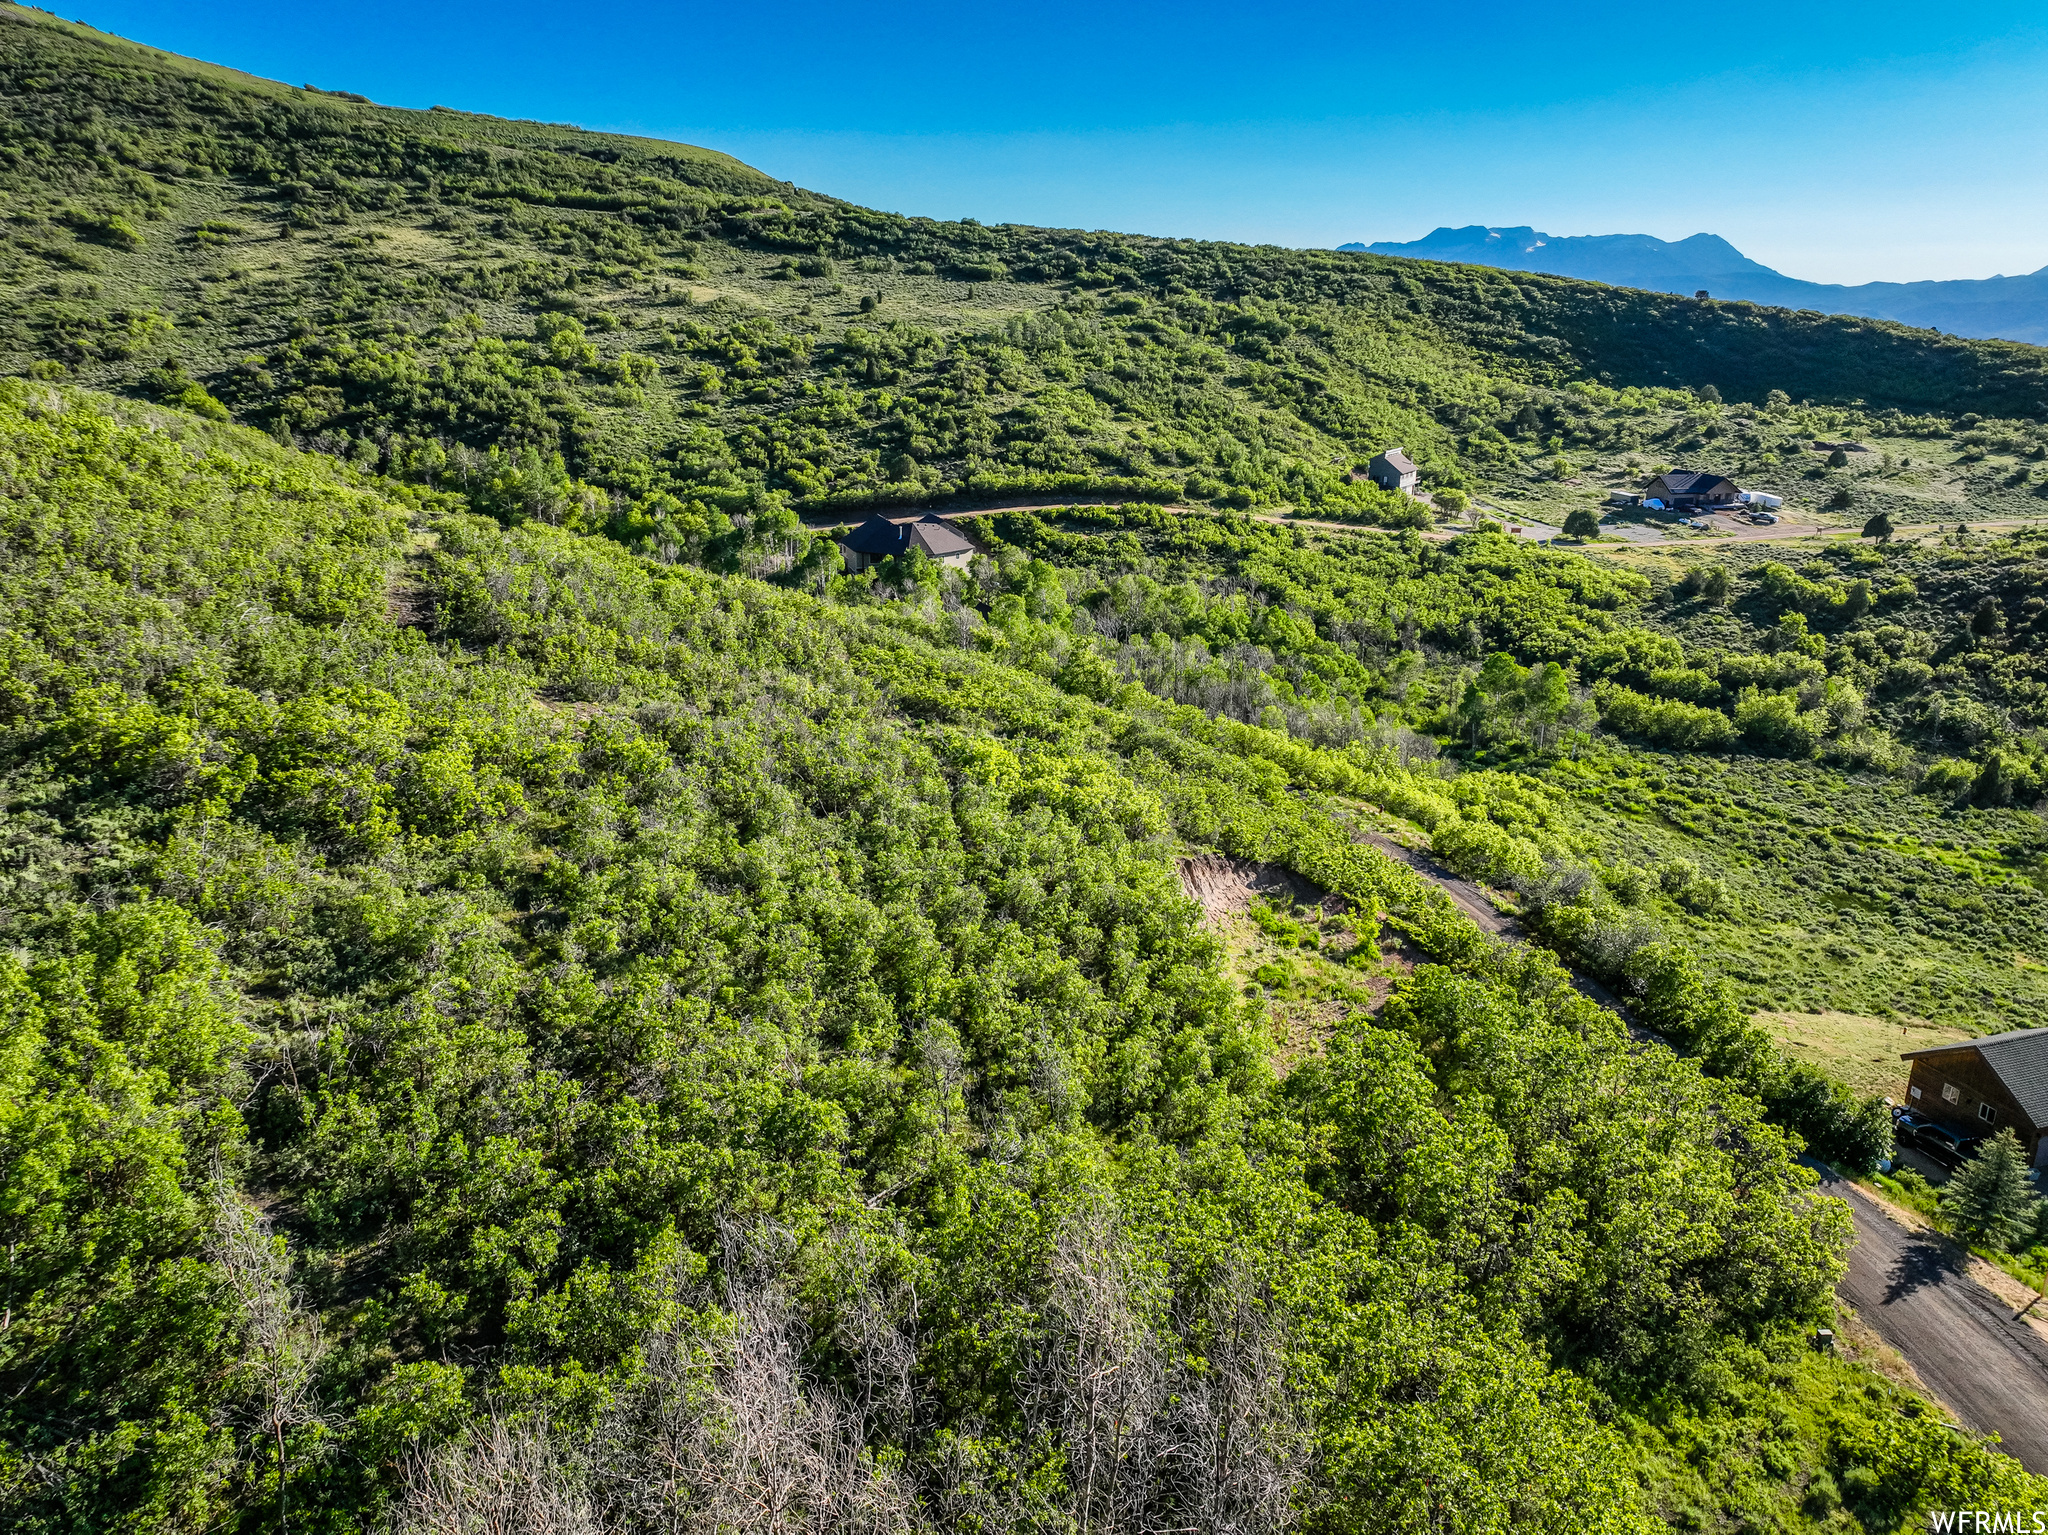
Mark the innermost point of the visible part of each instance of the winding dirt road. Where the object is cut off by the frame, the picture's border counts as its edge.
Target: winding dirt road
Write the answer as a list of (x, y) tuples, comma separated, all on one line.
[(1781, 533)]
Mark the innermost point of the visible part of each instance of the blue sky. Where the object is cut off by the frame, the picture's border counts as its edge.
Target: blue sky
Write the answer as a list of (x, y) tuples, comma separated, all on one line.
[(1837, 142)]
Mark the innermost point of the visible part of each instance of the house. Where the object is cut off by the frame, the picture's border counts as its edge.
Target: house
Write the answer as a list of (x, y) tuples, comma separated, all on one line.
[(1978, 1086), (1685, 490), (881, 537), (1392, 470)]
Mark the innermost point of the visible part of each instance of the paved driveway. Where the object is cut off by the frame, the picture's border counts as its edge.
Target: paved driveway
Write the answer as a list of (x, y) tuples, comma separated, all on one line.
[(1986, 1368)]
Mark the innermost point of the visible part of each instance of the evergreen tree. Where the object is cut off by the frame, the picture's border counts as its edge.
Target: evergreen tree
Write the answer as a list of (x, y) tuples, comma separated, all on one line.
[(1879, 528), (1581, 524), (1988, 621), (1989, 1200)]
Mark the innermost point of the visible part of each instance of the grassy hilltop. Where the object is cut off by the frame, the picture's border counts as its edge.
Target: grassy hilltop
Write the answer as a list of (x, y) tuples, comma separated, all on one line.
[(529, 999)]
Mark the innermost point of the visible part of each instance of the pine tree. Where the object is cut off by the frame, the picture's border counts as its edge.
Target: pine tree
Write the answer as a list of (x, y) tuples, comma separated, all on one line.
[(1989, 1199)]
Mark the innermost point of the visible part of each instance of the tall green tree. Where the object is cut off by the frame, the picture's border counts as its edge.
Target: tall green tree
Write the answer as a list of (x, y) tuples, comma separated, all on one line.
[(1989, 1200)]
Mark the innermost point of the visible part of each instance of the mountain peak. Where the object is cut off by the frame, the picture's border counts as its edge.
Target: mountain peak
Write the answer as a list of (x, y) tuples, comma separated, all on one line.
[(2011, 308), (1633, 260)]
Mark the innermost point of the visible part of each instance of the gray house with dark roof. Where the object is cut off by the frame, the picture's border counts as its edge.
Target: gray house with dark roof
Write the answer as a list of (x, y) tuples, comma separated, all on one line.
[(1980, 1085), (880, 538), (1393, 470)]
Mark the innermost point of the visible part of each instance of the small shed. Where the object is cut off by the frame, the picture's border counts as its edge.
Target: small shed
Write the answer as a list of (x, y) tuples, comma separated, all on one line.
[(881, 538), (1689, 489), (1979, 1086), (1393, 470)]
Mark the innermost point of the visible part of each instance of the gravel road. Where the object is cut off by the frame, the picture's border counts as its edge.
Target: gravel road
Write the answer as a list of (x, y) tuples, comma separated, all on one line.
[(1472, 901), (1910, 1288)]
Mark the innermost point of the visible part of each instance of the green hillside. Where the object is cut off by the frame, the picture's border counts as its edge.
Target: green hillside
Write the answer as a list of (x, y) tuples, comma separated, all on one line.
[(572, 959), (531, 1000), (411, 290)]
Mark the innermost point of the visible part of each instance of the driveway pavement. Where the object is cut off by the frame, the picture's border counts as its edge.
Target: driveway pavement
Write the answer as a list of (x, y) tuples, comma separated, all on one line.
[(1910, 1287)]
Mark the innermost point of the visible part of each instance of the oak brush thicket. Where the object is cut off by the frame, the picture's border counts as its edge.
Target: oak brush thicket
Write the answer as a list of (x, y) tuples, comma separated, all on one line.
[(528, 1000)]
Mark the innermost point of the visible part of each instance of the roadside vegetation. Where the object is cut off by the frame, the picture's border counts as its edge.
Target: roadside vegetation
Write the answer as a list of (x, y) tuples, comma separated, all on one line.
[(1989, 1205)]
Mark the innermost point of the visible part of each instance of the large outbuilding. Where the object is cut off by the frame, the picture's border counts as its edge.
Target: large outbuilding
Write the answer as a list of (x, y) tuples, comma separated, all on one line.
[(1978, 1086), (880, 538)]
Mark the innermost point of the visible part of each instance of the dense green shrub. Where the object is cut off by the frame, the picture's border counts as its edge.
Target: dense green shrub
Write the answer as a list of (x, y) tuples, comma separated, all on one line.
[(1665, 721), (516, 915)]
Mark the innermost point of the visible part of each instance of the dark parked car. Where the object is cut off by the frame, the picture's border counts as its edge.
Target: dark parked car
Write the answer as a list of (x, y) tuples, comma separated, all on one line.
[(1951, 1148)]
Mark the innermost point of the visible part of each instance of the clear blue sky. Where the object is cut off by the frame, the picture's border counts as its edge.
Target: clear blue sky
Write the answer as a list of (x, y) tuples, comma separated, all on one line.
[(1840, 142)]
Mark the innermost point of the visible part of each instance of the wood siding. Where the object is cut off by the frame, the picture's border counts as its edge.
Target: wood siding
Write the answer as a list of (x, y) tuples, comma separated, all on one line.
[(1967, 1071)]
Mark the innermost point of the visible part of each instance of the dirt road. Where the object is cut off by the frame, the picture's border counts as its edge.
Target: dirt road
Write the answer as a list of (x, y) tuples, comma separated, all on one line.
[(1910, 1288), (1473, 902), (1637, 539)]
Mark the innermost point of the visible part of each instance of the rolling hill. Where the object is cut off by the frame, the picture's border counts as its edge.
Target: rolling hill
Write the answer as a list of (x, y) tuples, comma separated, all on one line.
[(424, 289)]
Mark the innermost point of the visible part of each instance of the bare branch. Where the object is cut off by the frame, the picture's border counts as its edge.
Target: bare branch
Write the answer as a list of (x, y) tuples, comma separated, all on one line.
[(280, 1340), (499, 1479)]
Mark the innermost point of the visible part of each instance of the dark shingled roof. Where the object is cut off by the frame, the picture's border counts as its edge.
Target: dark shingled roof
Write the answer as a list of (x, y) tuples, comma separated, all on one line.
[(2021, 1061), (1691, 482), (881, 537), (1395, 459)]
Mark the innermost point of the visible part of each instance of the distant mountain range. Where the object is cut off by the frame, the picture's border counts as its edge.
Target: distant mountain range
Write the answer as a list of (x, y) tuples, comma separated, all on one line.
[(2006, 308)]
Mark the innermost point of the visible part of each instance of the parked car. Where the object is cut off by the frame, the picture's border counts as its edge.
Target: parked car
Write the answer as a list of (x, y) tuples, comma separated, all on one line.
[(1951, 1148), (1907, 1125)]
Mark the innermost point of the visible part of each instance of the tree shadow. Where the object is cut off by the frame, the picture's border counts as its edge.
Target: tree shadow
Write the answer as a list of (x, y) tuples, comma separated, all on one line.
[(1928, 1261)]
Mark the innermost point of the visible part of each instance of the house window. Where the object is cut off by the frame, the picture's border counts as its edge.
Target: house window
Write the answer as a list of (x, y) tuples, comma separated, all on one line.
[(1950, 1093), (1912, 1092), (1987, 1113)]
